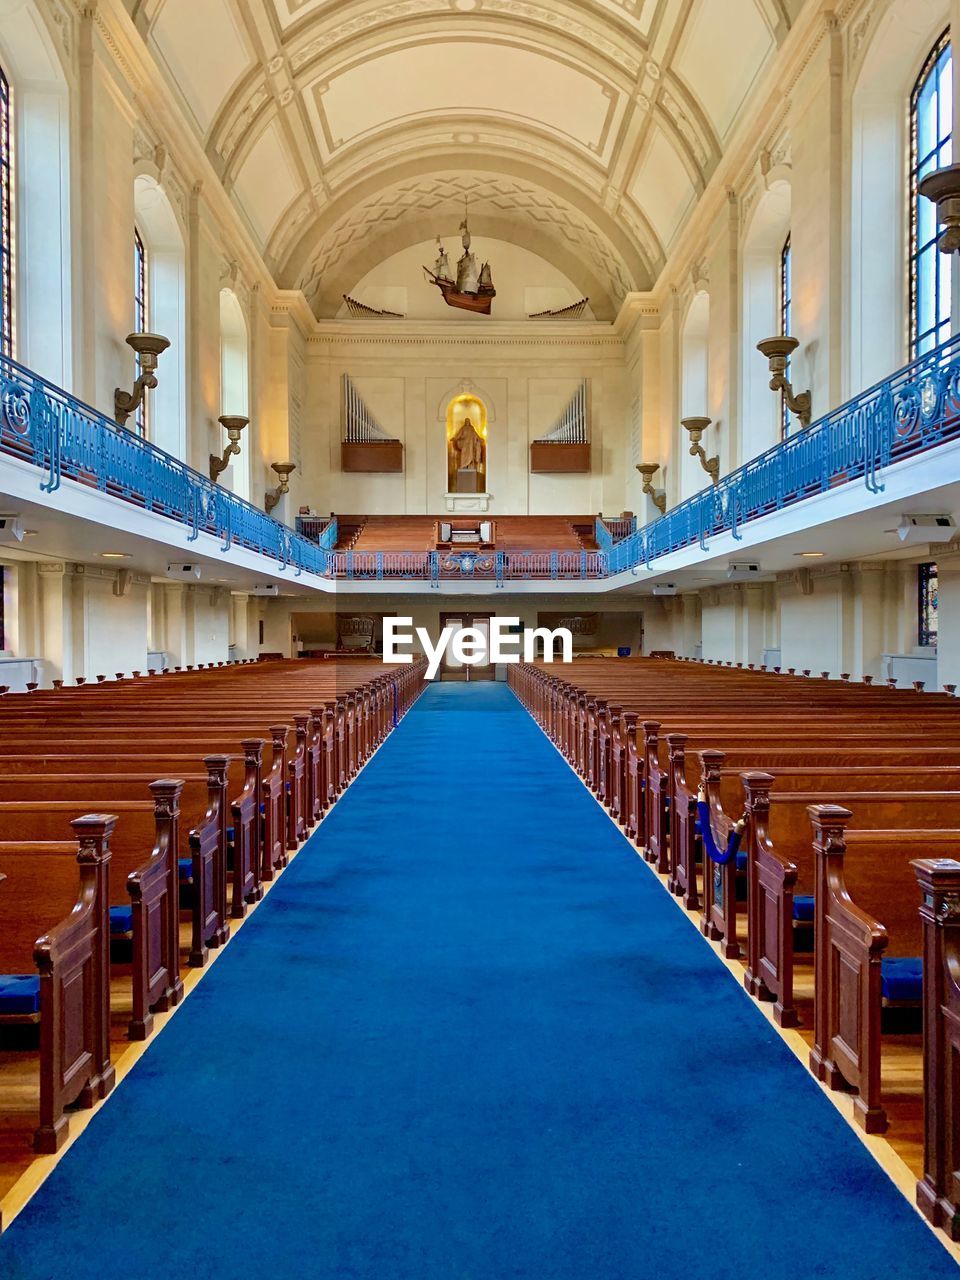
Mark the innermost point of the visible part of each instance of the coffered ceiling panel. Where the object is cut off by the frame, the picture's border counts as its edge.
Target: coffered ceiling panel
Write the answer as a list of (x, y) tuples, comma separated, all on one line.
[(663, 187), (204, 51), (445, 78), (583, 130), (267, 182), (731, 34), (290, 11)]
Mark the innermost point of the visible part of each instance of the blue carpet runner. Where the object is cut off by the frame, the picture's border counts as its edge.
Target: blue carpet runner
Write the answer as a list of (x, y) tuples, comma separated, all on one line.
[(469, 1037)]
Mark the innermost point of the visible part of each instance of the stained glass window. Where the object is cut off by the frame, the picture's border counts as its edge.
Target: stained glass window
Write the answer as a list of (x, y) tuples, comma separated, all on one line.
[(6, 218), (140, 314), (927, 604), (931, 147), (786, 319)]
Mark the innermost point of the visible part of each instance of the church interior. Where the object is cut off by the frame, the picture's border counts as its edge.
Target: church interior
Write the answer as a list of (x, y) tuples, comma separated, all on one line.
[(629, 321)]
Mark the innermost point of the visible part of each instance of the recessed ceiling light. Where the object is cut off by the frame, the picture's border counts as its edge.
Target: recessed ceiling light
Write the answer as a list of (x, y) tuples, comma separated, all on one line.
[(29, 533), (114, 555), (811, 555)]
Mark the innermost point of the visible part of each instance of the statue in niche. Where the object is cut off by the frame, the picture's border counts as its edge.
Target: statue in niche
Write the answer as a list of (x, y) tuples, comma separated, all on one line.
[(466, 445), (467, 448)]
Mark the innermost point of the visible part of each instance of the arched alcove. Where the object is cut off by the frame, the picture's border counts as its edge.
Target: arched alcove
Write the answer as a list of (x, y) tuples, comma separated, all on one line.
[(41, 138), (166, 306), (466, 443), (766, 234), (235, 387), (879, 256), (694, 388)]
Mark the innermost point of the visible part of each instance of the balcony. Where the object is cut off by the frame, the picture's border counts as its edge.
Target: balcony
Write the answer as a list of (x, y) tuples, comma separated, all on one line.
[(909, 414)]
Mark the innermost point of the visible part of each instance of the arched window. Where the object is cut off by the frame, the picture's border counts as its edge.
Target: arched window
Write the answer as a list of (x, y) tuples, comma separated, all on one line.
[(164, 302), (694, 388), (141, 316), (6, 218), (765, 236), (931, 147), (786, 319), (235, 386)]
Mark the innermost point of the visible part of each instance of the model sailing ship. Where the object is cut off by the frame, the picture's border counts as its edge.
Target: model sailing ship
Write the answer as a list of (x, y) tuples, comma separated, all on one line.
[(472, 288)]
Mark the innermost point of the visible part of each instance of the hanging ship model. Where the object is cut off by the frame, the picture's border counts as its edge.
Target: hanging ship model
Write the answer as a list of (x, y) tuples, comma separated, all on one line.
[(472, 287)]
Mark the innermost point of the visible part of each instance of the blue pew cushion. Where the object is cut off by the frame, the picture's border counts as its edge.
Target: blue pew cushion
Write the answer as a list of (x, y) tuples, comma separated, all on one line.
[(803, 908), (230, 835), (185, 868), (121, 919), (19, 993), (901, 978), (742, 860)]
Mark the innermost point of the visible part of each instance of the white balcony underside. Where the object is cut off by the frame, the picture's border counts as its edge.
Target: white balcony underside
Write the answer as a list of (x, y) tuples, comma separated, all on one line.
[(848, 523)]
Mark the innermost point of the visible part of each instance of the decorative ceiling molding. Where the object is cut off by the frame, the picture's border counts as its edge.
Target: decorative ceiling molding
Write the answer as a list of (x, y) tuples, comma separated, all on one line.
[(440, 197), (580, 193)]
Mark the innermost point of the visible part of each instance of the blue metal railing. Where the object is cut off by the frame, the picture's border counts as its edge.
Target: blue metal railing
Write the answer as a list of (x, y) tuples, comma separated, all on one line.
[(608, 530), (914, 410), (323, 530), (65, 438)]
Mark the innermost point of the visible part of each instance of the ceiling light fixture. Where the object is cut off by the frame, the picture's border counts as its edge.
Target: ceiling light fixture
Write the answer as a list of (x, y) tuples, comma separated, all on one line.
[(811, 555), (114, 555)]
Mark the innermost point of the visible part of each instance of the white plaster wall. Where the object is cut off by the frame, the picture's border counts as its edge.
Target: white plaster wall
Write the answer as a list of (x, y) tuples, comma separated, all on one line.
[(114, 627), (407, 385)]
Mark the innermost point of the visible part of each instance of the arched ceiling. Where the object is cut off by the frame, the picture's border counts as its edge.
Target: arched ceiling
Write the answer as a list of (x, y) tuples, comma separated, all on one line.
[(346, 130)]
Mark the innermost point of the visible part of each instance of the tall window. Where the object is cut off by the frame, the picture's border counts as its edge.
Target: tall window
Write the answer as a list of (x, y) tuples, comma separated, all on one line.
[(6, 218), (140, 314), (931, 147), (927, 601), (786, 319)]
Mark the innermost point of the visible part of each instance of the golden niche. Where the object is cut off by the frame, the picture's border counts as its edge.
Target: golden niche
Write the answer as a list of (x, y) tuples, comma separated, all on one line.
[(466, 445)]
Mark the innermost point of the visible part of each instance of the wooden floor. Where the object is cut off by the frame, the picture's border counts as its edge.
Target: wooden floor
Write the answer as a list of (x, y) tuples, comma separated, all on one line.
[(902, 1064), (19, 1066)]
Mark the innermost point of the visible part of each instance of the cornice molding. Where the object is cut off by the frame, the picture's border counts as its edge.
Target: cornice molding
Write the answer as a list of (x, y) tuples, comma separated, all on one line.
[(563, 337)]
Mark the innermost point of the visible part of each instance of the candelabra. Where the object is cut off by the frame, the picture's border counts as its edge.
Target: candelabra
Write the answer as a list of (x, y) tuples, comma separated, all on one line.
[(233, 424), (273, 496), (658, 496), (148, 347), (778, 352), (696, 427), (942, 187)]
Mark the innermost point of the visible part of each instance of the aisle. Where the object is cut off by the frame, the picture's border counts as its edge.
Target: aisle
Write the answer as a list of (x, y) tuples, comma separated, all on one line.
[(468, 1037)]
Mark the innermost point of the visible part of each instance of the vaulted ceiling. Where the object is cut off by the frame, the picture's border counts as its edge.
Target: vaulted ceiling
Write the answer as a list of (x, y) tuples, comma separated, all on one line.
[(349, 129)]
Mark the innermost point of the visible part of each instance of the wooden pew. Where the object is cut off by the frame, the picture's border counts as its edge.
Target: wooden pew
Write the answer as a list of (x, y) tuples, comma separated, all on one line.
[(58, 919), (938, 1189), (867, 916), (143, 847)]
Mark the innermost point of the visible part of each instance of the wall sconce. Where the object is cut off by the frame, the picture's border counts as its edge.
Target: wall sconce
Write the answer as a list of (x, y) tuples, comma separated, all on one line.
[(273, 496), (233, 424), (943, 188), (148, 347), (696, 428), (778, 351), (648, 470)]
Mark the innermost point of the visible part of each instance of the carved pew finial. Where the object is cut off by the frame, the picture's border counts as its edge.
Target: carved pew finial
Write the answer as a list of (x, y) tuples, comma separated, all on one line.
[(939, 881)]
